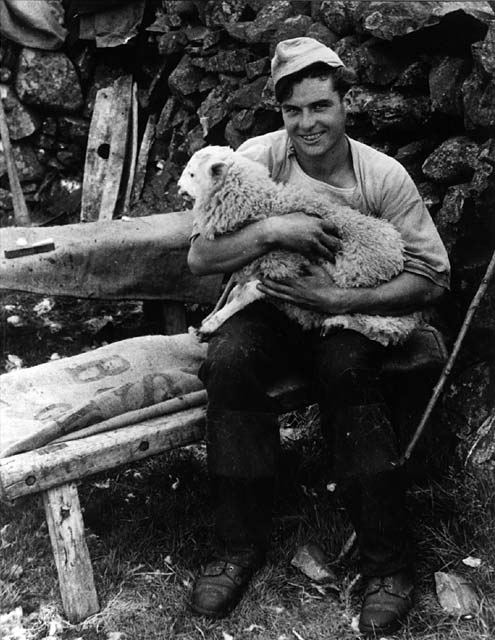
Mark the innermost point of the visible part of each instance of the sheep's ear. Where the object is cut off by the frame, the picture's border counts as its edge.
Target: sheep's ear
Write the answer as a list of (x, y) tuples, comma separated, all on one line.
[(218, 170)]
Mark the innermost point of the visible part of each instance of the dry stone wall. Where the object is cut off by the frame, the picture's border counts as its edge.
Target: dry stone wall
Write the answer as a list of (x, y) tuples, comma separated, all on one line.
[(425, 95)]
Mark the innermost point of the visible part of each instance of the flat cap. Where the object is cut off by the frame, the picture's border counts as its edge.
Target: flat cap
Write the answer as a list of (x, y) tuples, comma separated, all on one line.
[(297, 53)]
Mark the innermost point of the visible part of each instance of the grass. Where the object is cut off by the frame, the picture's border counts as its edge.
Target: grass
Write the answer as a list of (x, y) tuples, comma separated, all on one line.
[(149, 528)]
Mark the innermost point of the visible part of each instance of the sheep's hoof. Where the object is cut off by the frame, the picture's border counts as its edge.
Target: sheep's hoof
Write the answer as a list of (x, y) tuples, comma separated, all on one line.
[(196, 334), (204, 332)]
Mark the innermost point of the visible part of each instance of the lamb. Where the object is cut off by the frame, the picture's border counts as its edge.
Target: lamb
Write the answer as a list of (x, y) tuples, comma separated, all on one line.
[(231, 191)]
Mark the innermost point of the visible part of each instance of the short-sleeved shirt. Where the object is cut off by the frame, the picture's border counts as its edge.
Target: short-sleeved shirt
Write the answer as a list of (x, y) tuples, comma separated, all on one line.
[(384, 189), (336, 195)]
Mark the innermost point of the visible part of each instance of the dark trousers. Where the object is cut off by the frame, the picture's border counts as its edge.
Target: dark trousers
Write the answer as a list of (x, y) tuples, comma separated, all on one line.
[(250, 351)]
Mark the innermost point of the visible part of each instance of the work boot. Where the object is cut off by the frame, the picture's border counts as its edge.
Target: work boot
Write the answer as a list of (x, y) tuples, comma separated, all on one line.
[(224, 581), (387, 601)]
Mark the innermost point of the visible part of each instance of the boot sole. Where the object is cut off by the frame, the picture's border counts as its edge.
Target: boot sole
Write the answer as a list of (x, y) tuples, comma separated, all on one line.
[(214, 615), (376, 631)]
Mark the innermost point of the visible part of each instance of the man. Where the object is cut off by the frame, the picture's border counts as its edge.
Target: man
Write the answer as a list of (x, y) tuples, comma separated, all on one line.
[(257, 345)]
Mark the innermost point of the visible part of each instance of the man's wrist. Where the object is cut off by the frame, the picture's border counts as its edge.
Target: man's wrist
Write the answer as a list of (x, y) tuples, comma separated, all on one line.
[(269, 232), (355, 300)]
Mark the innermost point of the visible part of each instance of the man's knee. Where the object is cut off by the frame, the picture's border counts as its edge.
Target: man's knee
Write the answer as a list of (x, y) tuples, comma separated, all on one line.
[(246, 350), (237, 371), (228, 361)]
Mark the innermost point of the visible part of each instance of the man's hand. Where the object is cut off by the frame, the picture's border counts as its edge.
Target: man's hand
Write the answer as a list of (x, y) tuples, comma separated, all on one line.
[(315, 291), (305, 234), (406, 293)]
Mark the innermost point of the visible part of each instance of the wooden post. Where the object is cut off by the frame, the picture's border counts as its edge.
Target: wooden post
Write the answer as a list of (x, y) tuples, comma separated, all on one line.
[(173, 318), (120, 129), (169, 316), (21, 213), (75, 573)]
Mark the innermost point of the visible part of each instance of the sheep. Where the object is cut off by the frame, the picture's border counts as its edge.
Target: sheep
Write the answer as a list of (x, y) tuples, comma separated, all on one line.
[(231, 191)]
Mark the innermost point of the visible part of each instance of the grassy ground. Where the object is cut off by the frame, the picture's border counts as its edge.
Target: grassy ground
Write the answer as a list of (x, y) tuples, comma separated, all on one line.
[(149, 528)]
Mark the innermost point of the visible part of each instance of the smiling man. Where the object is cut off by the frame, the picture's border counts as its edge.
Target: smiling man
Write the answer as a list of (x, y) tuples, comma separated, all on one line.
[(259, 344)]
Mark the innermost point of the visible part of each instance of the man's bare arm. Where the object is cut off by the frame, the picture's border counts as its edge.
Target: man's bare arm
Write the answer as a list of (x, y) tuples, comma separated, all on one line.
[(229, 252), (294, 232)]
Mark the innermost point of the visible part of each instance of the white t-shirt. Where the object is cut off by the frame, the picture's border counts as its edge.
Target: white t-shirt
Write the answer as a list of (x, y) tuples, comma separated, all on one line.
[(348, 196)]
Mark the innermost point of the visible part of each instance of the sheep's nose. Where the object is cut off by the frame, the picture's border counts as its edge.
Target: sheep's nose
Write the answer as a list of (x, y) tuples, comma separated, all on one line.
[(185, 196), (183, 192)]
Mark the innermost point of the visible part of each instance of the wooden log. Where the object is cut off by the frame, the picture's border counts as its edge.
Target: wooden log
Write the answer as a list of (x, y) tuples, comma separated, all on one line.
[(75, 573), (58, 464), (21, 213)]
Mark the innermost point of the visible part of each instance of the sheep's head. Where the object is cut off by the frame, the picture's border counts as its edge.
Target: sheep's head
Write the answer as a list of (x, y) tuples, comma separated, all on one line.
[(205, 172)]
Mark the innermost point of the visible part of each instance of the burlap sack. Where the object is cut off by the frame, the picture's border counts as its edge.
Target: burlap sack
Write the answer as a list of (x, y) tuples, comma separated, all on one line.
[(44, 402)]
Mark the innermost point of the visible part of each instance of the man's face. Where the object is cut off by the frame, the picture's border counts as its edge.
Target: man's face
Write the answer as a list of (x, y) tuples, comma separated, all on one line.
[(314, 116)]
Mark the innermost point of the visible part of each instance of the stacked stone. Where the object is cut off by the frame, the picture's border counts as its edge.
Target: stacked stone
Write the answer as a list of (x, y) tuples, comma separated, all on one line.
[(43, 102), (425, 95)]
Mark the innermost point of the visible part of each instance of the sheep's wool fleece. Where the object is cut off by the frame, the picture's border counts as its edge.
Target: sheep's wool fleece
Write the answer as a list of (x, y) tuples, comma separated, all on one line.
[(231, 191)]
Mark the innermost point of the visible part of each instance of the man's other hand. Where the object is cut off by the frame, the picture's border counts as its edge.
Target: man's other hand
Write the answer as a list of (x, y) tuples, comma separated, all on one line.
[(305, 234), (315, 291)]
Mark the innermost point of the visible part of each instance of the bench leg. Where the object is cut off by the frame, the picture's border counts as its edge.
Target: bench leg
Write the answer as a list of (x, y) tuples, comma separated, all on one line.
[(168, 316), (75, 573)]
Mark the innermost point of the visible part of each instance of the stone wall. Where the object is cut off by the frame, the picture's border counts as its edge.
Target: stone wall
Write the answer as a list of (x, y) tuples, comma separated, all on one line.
[(425, 95)]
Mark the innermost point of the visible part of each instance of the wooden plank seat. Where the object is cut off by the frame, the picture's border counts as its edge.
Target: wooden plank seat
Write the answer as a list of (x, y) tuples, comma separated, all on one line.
[(55, 468), (109, 260)]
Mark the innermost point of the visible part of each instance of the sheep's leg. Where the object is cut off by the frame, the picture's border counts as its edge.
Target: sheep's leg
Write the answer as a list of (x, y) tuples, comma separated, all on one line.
[(240, 297), (229, 291)]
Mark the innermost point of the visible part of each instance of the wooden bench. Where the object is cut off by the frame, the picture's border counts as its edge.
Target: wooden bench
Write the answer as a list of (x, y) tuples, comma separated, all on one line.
[(53, 470)]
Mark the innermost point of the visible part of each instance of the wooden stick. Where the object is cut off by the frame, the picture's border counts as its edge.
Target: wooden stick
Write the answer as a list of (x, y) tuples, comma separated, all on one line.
[(346, 548), (174, 405), (21, 213), (57, 429), (142, 160), (450, 362), (132, 153)]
